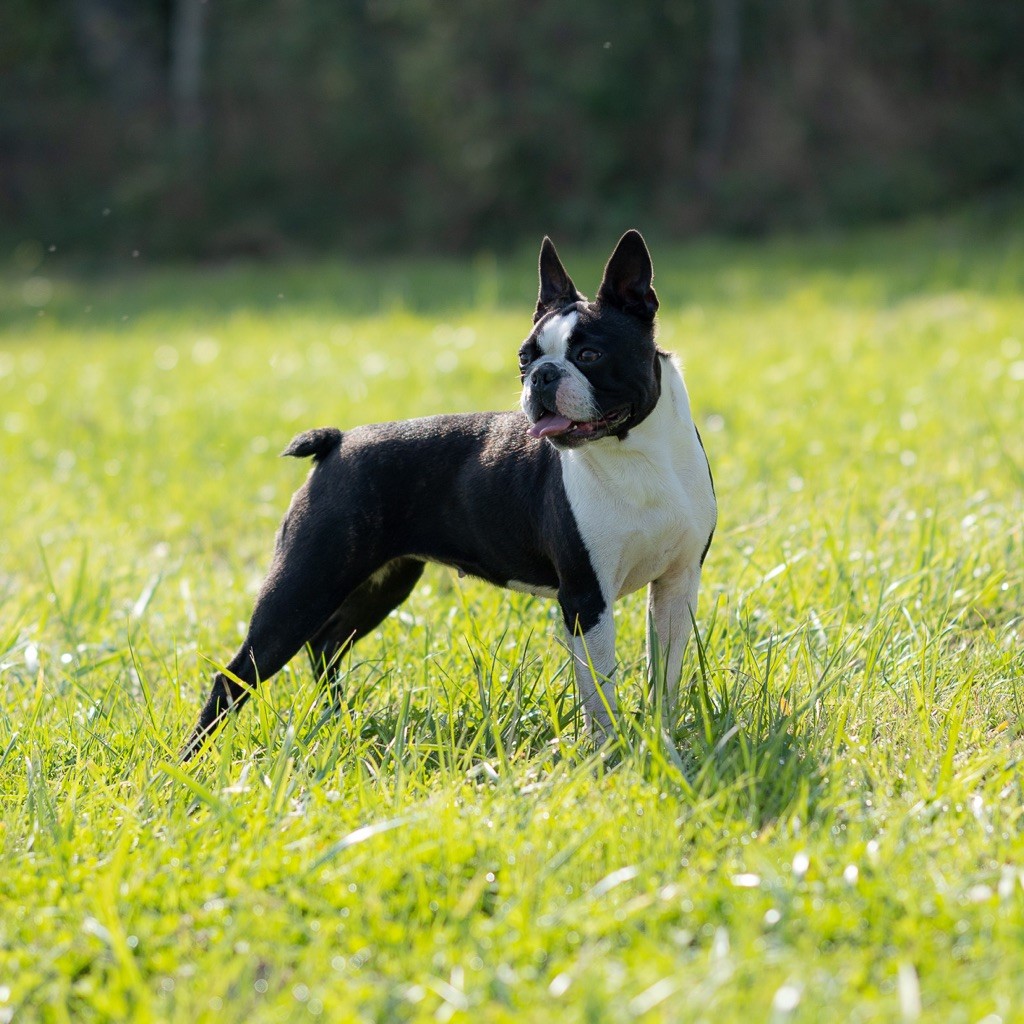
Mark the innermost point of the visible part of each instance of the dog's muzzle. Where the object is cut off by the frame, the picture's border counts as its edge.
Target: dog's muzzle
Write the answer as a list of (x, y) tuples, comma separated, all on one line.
[(540, 393), (543, 382)]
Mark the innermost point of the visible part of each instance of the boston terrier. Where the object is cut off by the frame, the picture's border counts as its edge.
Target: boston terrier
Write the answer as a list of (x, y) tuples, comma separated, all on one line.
[(597, 487)]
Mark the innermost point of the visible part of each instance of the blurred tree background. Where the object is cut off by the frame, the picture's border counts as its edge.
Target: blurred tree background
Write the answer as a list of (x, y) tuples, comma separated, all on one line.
[(215, 128)]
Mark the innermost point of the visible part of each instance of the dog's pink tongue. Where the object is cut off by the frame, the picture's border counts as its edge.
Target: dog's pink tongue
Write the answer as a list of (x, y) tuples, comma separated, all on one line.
[(550, 424)]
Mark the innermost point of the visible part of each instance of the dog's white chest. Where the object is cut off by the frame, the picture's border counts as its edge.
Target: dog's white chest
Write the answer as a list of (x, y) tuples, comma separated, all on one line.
[(648, 543), (644, 506)]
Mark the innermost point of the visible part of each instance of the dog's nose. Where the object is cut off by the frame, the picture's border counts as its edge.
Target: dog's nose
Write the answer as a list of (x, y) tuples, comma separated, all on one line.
[(546, 373)]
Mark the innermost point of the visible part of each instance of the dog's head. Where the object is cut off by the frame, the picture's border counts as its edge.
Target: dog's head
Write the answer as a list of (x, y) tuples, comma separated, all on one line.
[(590, 369)]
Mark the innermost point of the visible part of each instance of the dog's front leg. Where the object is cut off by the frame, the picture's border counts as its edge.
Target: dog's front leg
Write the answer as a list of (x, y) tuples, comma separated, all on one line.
[(590, 626), (671, 607)]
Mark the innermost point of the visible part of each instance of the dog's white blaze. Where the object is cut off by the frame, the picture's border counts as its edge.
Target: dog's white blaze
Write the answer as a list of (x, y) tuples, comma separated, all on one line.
[(553, 339), (644, 506), (575, 396)]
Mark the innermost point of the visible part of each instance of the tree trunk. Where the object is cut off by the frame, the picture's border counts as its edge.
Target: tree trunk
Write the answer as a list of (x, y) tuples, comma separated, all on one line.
[(720, 85), (188, 32)]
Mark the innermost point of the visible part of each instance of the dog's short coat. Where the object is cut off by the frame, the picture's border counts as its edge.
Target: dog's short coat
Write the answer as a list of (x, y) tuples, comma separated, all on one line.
[(599, 486)]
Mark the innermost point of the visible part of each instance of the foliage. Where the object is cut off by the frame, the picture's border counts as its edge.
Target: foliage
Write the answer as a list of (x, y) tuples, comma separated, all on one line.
[(468, 124), (832, 825)]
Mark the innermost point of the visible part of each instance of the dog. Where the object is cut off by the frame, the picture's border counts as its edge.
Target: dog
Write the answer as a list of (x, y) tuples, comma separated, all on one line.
[(597, 487)]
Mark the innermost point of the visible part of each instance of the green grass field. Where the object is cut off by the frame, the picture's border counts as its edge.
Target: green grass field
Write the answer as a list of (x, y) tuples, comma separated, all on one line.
[(834, 830)]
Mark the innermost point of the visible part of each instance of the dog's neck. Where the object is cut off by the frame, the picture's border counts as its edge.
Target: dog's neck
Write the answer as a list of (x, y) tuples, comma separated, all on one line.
[(665, 437)]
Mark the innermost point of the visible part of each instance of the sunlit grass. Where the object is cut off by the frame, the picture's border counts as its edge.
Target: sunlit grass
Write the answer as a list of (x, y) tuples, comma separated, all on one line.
[(832, 825)]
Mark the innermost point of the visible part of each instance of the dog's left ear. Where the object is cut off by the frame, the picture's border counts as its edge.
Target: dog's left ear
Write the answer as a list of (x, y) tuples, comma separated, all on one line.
[(556, 287), (627, 278)]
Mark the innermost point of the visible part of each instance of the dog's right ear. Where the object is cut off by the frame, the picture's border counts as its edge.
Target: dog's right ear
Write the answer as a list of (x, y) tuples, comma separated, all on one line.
[(556, 287)]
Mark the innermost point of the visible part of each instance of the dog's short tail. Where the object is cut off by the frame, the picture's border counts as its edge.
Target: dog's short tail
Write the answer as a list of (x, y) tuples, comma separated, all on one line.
[(319, 443)]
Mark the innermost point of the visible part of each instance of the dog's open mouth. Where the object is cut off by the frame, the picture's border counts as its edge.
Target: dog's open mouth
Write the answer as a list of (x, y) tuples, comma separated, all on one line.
[(562, 428)]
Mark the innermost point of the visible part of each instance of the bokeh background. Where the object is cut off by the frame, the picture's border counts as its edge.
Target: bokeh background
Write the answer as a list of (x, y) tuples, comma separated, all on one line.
[(212, 129)]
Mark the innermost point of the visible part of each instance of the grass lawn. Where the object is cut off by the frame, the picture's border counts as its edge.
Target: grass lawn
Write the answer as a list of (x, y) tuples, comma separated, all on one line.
[(834, 828)]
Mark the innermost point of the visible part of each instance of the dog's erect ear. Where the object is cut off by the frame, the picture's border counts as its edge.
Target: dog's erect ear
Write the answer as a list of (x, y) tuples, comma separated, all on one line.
[(556, 287), (627, 278)]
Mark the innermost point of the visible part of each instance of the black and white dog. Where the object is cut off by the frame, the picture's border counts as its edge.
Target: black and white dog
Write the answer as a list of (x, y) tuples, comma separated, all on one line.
[(598, 487)]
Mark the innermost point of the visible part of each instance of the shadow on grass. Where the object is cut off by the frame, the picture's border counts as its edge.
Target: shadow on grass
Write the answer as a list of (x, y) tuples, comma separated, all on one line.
[(737, 743)]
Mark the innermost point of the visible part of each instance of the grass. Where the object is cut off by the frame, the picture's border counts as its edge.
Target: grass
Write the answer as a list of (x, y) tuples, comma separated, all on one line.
[(834, 825)]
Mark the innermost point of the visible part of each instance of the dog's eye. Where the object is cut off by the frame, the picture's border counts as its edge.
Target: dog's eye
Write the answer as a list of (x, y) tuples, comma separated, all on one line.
[(524, 359), (588, 355)]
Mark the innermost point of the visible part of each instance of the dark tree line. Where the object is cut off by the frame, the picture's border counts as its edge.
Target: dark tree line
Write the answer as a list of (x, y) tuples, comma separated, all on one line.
[(216, 126)]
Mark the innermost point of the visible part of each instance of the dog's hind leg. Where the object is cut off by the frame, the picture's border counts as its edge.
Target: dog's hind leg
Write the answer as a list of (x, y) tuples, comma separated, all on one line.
[(286, 618), (313, 571), (360, 613)]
